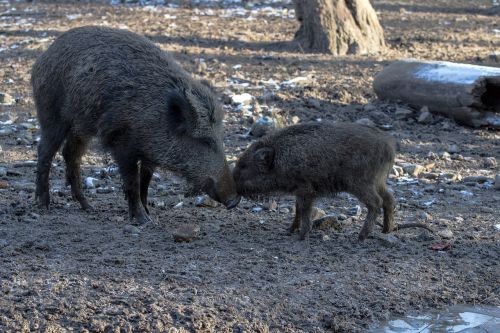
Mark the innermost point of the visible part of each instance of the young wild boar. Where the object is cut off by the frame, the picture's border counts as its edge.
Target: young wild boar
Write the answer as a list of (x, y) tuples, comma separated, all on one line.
[(146, 110), (317, 159)]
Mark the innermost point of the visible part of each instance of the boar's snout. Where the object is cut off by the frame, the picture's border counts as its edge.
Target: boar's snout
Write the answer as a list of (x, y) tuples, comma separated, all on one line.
[(223, 189)]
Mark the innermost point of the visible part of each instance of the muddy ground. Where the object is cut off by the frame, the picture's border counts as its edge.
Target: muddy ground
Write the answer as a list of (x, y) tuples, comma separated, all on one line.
[(68, 270)]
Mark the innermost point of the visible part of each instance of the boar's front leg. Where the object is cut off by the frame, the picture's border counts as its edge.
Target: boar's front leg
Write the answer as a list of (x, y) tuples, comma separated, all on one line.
[(146, 175), (303, 206), (129, 170)]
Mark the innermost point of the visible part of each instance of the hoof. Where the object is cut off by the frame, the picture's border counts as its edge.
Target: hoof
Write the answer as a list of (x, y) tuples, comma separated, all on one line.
[(303, 235), (389, 229), (43, 201), (142, 220), (364, 235), (87, 207)]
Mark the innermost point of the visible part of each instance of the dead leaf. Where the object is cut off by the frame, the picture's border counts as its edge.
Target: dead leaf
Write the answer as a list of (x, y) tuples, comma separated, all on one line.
[(443, 246)]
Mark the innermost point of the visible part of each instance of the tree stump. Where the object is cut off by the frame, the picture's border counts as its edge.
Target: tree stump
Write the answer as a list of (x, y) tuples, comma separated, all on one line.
[(338, 27), (467, 93)]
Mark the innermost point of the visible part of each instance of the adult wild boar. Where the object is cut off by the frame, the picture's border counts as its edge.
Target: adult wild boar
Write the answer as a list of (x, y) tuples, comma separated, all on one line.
[(146, 110), (312, 160)]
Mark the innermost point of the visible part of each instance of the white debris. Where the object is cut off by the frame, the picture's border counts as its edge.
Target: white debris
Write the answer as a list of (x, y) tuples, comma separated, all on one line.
[(466, 194), (294, 82), (72, 17), (244, 98), (447, 72), (90, 182), (257, 209), (429, 203)]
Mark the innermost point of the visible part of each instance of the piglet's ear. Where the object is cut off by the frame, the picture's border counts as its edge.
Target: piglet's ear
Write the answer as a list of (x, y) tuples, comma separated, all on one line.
[(264, 157)]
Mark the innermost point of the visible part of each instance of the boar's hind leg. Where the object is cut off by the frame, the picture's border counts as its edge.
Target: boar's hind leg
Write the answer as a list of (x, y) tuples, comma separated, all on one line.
[(297, 218), (304, 207), (388, 205), (72, 152), (51, 140), (146, 175), (129, 171), (373, 202)]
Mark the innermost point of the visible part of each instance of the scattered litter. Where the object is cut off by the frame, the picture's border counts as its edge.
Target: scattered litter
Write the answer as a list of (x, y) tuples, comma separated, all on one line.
[(72, 17), (257, 209), (429, 202), (466, 194), (442, 246), (244, 98), (407, 181)]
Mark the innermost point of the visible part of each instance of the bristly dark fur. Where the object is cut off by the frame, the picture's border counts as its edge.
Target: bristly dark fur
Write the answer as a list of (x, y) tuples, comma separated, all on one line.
[(318, 159), (119, 86)]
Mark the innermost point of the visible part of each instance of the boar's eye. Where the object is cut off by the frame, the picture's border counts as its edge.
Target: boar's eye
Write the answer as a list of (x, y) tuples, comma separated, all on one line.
[(209, 142)]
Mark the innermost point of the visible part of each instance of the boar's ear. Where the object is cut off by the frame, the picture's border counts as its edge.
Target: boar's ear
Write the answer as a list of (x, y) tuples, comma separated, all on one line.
[(179, 115), (264, 157)]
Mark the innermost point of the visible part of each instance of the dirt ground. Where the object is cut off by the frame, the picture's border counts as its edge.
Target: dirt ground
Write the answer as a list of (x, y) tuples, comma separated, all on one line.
[(68, 270)]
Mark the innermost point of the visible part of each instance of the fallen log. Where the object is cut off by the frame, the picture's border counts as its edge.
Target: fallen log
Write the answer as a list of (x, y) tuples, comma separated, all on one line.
[(467, 93)]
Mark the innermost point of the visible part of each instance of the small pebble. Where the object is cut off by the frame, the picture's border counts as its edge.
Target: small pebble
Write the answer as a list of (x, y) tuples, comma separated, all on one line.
[(426, 236), (342, 217), (453, 149), (205, 201), (355, 211), (424, 216), (403, 113), (186, 233), (425, 117), (6, 99), (131, 229), (104, 190), (446, 234), (326, 222), (387, 240), (6, 131), (397, 170), (414, 169), (445, 155), (490, 162), (271, 205), (366, 122), (317, 213)]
